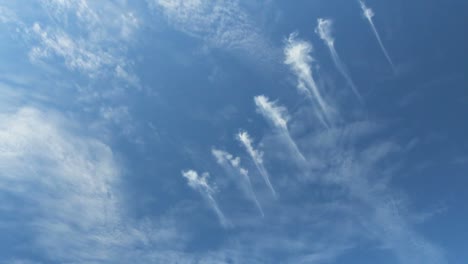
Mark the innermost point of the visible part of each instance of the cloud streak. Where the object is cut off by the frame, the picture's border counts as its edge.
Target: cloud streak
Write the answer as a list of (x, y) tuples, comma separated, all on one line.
[(324, 30), (298, 57), (233, 167), (369, 14), (360, 171), (200, 184), (257, 157), (278, 116)]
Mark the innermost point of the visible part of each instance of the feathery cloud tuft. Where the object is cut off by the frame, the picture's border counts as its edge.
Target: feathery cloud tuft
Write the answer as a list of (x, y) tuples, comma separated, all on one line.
[(257, 158), (324, 30), (233, 167), (369, 14), (200, 184), (298, 57), (278, 116)]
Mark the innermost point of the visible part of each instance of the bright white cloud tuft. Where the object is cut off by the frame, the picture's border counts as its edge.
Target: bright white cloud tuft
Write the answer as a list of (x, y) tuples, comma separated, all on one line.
[(298, 56), (369, 14), (200, 184), (257, 157), (278, 116), (324, 30), (233, 167)]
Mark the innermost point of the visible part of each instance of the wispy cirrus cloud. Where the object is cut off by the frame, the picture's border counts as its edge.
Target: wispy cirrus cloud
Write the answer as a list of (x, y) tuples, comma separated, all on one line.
[(200, 184), (233, 167), (369, 14), (257, 157), (298, 56), (324, 30), (222, 24), (75, 55), (364, 177), (60, 191), (278, 116), (6, 15), (77, 32)]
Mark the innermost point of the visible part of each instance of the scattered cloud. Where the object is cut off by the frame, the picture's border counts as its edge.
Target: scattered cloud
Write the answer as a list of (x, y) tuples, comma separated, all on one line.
[(6, 15), (278, 116), (200, 184), (68, 187), (222, 24), (298, 56), (76, 55), (324, 30), (78, 32), (369, 14), (233, 167), (364, 174), (257, 157)]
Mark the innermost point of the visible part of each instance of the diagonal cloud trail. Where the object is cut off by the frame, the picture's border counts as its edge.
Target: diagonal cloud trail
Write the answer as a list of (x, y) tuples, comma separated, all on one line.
[(233, 167), (257, 157), (279, 117), (298, 58), (324, 30), (369, 14), (200, 184)]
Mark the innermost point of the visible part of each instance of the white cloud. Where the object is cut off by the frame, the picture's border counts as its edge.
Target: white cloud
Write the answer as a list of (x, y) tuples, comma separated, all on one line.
[(200, 184), (369, 14), (90, 37), (233, 167), (278, 116), (362, 169), (324, 30), (76, 55), (298, 56), (66, 180), (62, 190), (6, 15), (106, 21), (257, 158), (221, 23)]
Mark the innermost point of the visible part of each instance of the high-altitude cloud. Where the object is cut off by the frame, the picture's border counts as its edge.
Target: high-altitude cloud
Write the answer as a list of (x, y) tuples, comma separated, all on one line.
[(297, 53), (97, 48), (257, 158), (324, 30), (278, 116), (369, 14), (233, 167), (222, 24), (200, 184), (353, 167), (60, 192)]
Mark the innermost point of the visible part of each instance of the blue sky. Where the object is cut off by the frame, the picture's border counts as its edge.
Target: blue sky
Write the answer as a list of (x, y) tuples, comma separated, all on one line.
[(196, 131)]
